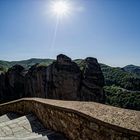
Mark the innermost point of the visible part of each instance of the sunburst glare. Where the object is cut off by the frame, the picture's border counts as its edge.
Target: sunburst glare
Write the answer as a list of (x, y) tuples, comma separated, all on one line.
[(60, 8)]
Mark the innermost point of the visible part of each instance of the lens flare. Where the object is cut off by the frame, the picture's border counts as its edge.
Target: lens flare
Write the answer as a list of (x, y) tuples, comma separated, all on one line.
[(60, 8)]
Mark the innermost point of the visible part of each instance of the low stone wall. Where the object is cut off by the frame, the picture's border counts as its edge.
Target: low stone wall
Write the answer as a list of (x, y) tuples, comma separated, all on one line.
[(80, 120)]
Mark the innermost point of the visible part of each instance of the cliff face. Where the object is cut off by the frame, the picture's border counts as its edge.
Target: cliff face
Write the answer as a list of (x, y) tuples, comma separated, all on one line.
[(63, 79), (2, 87), (12, 84), (92, 81), (35, 82)]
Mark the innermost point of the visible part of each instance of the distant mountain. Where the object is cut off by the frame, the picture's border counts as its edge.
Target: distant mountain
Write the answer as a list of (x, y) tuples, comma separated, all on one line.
[(4, 65), (120, 77), (122, 87), (133, 69)]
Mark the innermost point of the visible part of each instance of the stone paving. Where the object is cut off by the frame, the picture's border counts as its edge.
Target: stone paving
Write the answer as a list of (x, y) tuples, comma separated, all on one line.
[(16, 127)]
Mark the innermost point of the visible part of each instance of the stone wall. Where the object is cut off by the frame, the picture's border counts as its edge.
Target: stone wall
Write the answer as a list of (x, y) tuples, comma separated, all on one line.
[(80, 120)]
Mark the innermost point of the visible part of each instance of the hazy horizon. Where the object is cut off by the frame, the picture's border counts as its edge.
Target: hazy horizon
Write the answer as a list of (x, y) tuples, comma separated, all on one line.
[(107, 30)]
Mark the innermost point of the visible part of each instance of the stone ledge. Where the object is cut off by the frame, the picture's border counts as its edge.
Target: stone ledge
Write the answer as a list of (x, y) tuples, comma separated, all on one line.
[(96, 115)]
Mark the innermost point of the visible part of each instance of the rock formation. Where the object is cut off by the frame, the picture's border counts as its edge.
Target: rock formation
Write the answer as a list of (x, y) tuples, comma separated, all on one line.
[(12, 84), (35, 82), (92, 81), (63, 79), (2, 87), (15, 82)]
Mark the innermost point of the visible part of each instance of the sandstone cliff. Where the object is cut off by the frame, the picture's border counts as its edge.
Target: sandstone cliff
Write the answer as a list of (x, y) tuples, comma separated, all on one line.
[(63, 79)]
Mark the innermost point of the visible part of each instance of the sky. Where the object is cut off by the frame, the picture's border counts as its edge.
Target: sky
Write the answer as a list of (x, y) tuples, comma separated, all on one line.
[(108, 30)]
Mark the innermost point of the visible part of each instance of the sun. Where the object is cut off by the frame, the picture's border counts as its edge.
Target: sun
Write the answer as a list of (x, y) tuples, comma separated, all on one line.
[(60, 8)]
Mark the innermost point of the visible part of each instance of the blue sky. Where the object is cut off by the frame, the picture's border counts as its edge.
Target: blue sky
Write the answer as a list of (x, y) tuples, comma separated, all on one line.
[(106, 29)]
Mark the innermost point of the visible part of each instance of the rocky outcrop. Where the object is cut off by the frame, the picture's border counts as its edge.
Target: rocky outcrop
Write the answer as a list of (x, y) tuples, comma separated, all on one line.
[(12, 84), (92, 81), (63, 79), (35, 82), (60, 80), (2, 87)]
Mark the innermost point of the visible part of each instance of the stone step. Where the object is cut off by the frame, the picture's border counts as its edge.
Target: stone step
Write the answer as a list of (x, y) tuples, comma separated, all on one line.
[(26, 127), (52, 135), (18, 134), (42, 138), (29, 136), (25, 135), (8, 117), (32, 137), (26, 118)]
